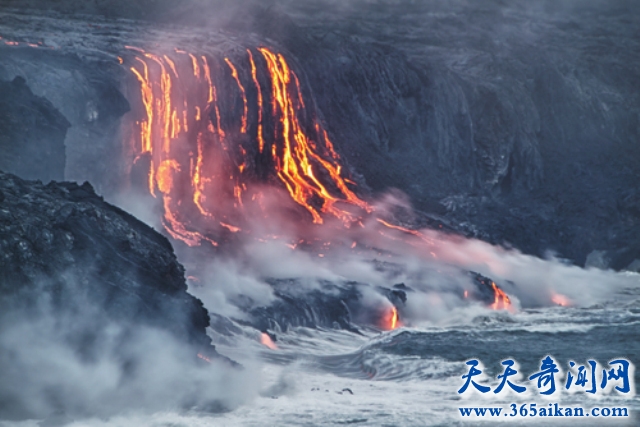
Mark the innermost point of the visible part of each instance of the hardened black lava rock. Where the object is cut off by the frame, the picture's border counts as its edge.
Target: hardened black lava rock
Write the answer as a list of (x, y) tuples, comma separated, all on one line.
[(64, 247), (32, 133), (329, 306)]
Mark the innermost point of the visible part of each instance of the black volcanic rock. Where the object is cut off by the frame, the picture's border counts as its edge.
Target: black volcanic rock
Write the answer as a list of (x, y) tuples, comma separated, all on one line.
[(94, 308), (32, 133), (64, 241), (334, 306), (95, 317)]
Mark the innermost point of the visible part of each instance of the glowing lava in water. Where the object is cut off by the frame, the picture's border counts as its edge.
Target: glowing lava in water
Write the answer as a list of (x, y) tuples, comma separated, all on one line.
[(266, 341), (501, 299), (391, 319), (560, 300)]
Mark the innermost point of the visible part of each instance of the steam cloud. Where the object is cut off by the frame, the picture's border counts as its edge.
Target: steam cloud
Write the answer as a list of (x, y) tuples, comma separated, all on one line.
[(68, 359)]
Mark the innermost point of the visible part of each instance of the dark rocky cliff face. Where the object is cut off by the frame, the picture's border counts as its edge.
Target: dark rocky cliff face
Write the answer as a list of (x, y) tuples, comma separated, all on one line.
[(85, 91), (62, 239), (86, 288), (33, 133)]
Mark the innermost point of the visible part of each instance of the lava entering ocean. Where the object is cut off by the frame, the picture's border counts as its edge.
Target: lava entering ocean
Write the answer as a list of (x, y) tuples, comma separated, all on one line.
[(216, 139), (391, 320)]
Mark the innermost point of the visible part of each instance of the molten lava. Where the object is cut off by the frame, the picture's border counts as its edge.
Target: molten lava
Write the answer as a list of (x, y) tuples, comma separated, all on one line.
[(298, 160), (391, 319), (266, 341), (501, 301), (198, 159), (245, 107), (212, 134), (203, 357), (560, 300)]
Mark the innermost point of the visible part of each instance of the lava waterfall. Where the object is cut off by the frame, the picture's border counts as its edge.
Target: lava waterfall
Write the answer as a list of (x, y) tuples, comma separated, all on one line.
[(212, 132)]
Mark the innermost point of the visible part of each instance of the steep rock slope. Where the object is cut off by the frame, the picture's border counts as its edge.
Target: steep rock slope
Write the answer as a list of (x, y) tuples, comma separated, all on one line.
[(33, 133), (94, 311), (63, 239), (85, 90)]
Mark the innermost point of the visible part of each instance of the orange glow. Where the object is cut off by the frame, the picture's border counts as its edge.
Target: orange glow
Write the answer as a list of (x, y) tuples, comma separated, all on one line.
[(213, 96), (196, 67), (295, 163), (177, 230), (175, 124), (254, 75), (207, 75), (231, 228), (391, 319), (203, 357), (164, 176), (172, 65), (164, 106), (300, 98), (137, 49), (156, 133), (501, 300), (266, 341), (198, 180), (148, 101), (245, 110), (196, 168), (466, 294), (408, 231), (560, 300)]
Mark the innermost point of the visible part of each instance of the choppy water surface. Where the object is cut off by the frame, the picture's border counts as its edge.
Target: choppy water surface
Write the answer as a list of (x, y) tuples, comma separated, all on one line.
[(410, 377)]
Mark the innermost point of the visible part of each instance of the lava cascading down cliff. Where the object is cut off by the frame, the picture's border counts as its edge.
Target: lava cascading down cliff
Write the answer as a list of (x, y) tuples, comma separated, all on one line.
[(210, 132), (222, 143)]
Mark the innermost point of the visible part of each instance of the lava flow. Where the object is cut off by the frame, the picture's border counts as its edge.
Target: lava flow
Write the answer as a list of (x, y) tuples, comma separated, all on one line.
[(391, 319), (501, 300), (223, 142), (266, 341), (192, 141)]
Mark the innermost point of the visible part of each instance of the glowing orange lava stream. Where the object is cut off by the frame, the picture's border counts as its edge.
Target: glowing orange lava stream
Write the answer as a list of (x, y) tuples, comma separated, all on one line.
[(391, 320), (501, 300), (181, 107), (185, 106), (204, 156)]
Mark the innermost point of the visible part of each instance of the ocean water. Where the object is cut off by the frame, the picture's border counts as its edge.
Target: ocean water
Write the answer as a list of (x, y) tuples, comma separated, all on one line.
[(410, 376)]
